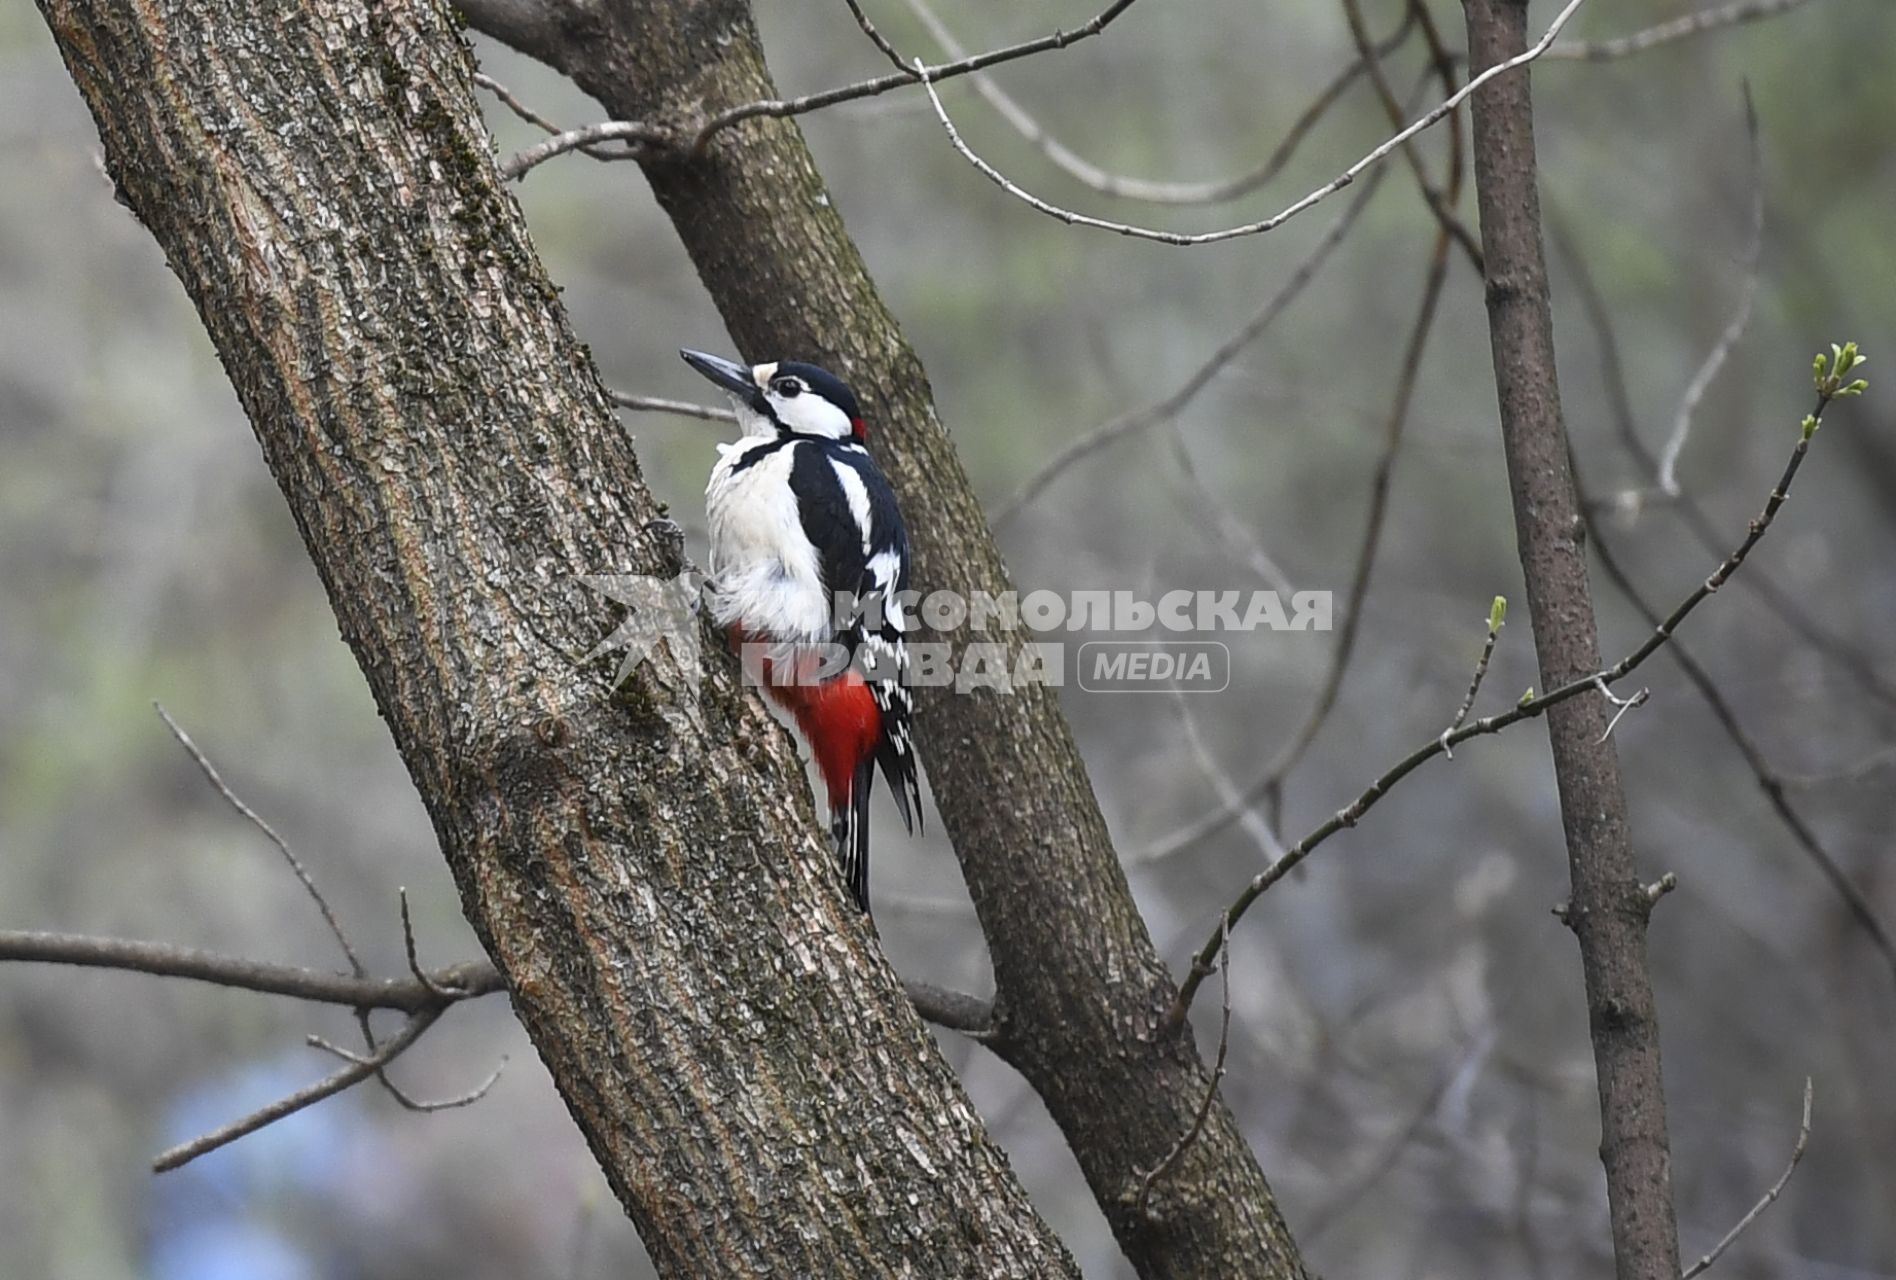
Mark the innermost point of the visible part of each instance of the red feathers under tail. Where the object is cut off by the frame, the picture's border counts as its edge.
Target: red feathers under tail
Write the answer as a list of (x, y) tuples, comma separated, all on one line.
[(841, 722)]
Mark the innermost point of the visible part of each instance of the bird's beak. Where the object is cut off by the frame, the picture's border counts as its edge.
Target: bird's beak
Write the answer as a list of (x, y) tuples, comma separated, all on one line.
[(728, 374)]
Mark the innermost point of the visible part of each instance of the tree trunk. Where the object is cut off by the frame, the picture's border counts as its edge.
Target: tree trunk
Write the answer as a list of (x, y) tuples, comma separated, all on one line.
[(640, 864), (1080, 989), (1610, 906)]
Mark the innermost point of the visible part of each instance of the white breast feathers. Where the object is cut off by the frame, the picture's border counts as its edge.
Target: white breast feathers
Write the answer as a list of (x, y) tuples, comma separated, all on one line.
[(765, 573)]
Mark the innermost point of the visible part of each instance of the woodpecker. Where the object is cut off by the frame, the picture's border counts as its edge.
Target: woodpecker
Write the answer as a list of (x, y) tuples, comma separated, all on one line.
[(799, 516)]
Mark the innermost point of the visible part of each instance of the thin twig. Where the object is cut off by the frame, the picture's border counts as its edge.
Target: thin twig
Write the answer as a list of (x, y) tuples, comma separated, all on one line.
[(889, 51), (1171, 1157), (353, 1074), (469, 980), (1439, 204), (634, 133), (1774, 785), (414, 960), (283, 847), (466, 981), (446, 994), (1276, 220), (1777, 1189), (1691, 24), (538, 121), (781, 107), (1092, 176), (1734, 329), (1497, 618), (1527, 708), (1623, 704), (658, 404), (408, 1103)]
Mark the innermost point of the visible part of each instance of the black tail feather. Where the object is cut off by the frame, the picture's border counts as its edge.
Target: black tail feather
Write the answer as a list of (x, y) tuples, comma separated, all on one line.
[(898, 766), (849, 828)]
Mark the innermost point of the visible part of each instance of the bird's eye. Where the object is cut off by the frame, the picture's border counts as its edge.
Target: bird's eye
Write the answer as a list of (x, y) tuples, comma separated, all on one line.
[(788, 388)]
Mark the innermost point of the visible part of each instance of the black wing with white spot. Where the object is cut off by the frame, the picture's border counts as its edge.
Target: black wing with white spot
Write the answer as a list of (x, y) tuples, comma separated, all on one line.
[(849, 515)]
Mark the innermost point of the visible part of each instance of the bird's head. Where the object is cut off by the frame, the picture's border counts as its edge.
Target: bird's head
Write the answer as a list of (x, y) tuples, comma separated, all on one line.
[(784, 397)]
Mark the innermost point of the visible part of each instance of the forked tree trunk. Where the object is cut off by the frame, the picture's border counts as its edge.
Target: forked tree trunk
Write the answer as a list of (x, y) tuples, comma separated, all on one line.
[(1081, 990), (641, 865)]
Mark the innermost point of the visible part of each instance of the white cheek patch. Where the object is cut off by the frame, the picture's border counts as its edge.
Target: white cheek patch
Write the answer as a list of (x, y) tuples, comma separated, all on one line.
[(812, 415)]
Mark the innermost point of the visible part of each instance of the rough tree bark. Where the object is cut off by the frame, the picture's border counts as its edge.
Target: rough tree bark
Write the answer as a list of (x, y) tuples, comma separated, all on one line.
[(1610, 906), (1080, 990), (640, 865)]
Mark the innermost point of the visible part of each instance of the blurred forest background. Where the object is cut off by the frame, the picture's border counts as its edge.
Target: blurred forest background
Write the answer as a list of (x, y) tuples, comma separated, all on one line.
[(1409, 1046)]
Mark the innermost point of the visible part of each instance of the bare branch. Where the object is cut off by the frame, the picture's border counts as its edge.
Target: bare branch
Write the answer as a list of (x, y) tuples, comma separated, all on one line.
[(513, 103), (1691, 24), (889, 51), (466, 981), (640, 136), (414, 961), (250, 815), (441, 993), (1107, 183), (1734, 329), (658, 404), (1164, 410), (1276, 220), (409, 1104), (1777, 1189), (355, 1073), (1440, 204), (1527, 708), (780, 107), (410, 995)]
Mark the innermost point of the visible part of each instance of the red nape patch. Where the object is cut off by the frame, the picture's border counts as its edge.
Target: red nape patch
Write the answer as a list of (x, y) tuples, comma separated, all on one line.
[(862, 428)]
